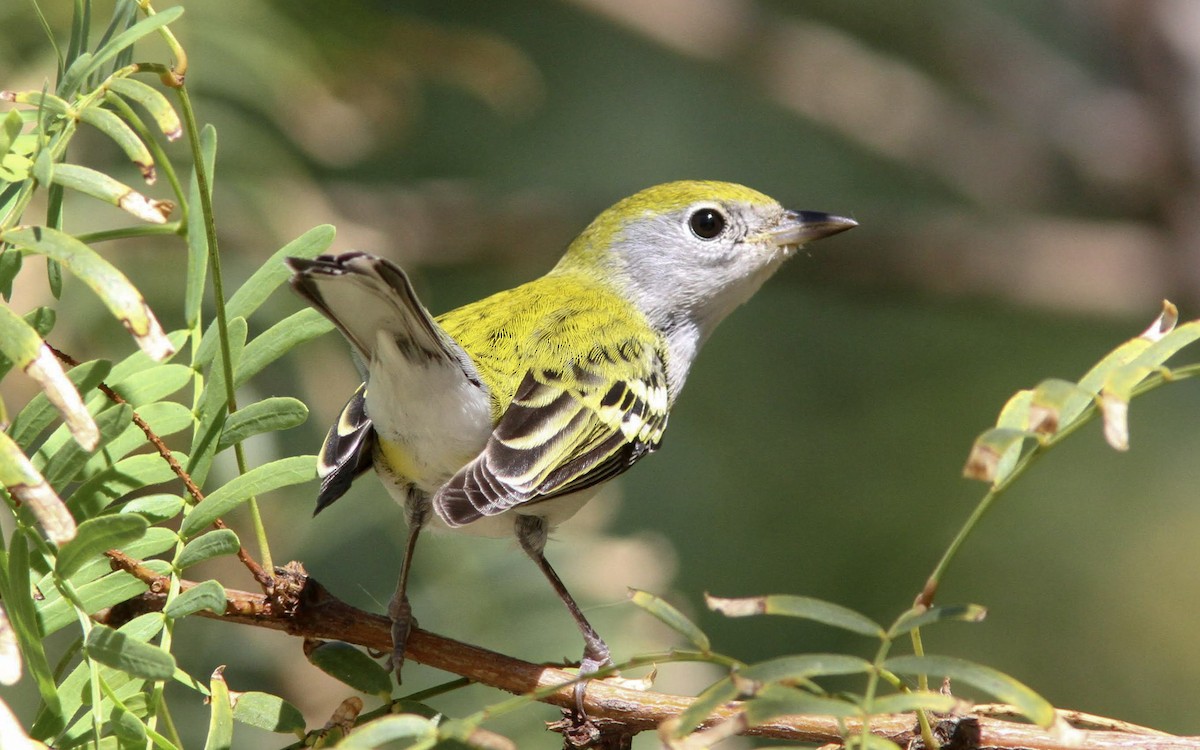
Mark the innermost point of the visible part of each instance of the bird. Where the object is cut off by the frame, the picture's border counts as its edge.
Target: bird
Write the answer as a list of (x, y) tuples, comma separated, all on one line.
[(504, 416)]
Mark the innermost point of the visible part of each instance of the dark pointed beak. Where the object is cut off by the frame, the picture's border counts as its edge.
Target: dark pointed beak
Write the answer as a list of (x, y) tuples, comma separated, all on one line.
[(802, 227)]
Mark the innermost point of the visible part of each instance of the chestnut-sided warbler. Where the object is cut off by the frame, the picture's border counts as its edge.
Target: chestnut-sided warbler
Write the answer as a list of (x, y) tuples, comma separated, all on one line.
[(505, 415)]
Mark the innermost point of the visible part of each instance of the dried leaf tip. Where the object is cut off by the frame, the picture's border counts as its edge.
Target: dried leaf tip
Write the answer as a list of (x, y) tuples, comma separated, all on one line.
[(1164, 323)]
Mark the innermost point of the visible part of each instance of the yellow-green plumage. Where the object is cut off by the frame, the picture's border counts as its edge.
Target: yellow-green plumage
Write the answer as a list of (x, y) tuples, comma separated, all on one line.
[(556, 321)]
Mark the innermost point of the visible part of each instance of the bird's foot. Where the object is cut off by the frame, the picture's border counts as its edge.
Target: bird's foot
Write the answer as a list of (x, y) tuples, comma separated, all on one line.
[(595, 658), (403, 622)]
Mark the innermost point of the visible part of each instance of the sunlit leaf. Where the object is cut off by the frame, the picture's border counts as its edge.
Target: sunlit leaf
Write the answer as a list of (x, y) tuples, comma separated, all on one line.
[(153, 101), (671, 617), (914, 700), (994, 682), (714, 696), (268, 415), (114, 289), (379, 732), (220, 721), (803, 607), (278, 340), (22, 345), (774, 701), (281, 473), (107, 122), (272, 273), (801, 667), (155, 508), (914, 619), (117, 481), (269, 712), (197, 239), (119, 651), (206, 595), (995, 453), (97, 535), (207, 546)]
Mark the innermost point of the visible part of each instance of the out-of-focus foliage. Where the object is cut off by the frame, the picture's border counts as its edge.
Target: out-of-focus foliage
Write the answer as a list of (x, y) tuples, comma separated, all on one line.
[(1025, 173)]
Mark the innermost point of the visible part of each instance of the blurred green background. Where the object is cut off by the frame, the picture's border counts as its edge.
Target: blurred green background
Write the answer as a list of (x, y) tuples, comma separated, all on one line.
[(1025, 176)]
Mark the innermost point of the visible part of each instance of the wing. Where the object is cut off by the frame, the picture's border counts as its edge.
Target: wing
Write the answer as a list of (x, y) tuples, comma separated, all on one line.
[(564, 431), (365, 295), (346, 452)]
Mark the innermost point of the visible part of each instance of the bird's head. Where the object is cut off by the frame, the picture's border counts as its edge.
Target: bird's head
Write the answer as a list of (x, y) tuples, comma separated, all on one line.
[(687, 253)]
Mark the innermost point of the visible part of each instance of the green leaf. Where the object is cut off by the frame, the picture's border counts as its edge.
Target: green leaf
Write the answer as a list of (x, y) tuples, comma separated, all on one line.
[(15, 467), (268, 415), (385, 729), (1015, 412), (67, 462), (19, 342), (115, 128), (21, 345), (10, 263), (873, 742), (991, 681), (164, 418), (55, 613), (152, 100), (119, 651), (197, 240), (155, 508), (915, 700), (281, 473), (713, 697), (271, 274), (86, 64), (216, 395), (137, 361), (153, 384), (114, 289), (671, 617), (10, 129), (780, 700), (207, 595), (348, 665), (18, 601), (95, 536), (913, 619), (40, 319), (802, 667), (114, 192), (995, 453), (803, 607), (156, 540), (278, 340), (207, 546), (220, 721), (1056, 403), (120, 479), (269, 712)]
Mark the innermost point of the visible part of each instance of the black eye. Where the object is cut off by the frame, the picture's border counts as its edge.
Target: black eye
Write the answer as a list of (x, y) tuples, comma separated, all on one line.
[(707, 223)]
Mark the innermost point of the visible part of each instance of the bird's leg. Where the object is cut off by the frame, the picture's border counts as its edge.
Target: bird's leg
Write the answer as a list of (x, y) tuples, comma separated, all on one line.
[(531, 533), (399, 610)]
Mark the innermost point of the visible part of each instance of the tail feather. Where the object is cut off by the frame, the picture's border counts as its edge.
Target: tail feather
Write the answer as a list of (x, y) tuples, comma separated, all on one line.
[(347, 451), (363, 295)]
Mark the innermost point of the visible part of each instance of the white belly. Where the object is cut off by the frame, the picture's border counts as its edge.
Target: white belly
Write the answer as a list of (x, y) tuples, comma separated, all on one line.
[(430, 418)]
